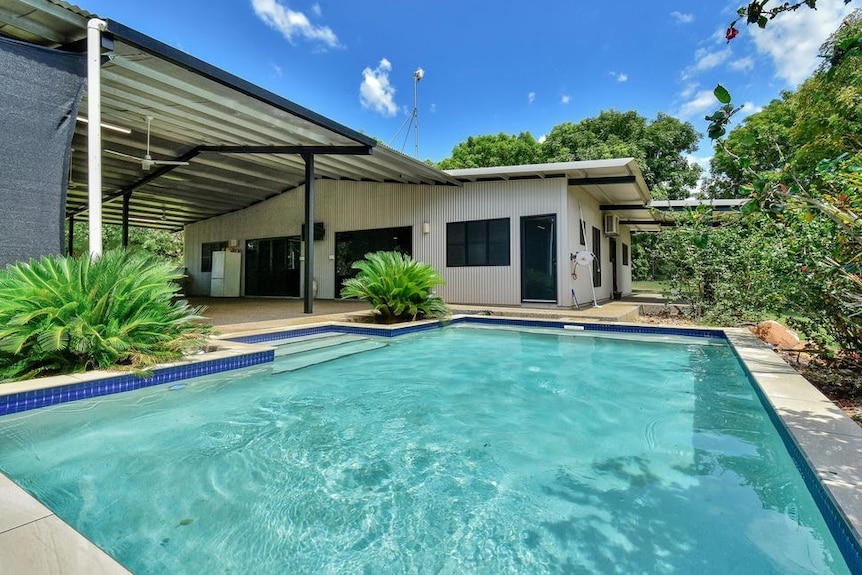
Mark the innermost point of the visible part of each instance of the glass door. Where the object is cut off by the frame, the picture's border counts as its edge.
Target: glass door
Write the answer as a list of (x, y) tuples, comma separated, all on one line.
[(272, 267), (539, 259)]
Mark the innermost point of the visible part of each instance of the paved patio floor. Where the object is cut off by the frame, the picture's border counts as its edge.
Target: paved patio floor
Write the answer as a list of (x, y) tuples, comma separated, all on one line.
[(238, 315)]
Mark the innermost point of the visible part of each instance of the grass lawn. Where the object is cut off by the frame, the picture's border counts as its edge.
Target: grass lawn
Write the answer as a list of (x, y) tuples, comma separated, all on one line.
[(649, 286)]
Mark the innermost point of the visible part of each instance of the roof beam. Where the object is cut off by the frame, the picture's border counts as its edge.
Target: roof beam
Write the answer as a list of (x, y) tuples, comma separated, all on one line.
[(612, 207), (316, 150), (603, 181)]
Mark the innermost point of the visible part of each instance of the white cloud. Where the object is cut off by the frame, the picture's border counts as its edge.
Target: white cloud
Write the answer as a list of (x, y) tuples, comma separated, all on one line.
[(681, 18), (689, 89), (743, 64), (433, 108), (293, 25), (375, 92), (277, 70), (622, 77), (748, 108), (565, 99), (316, 10), (542, 138), (706, 60), (702, 102), (793, 40), (702, 161), (531, 97)]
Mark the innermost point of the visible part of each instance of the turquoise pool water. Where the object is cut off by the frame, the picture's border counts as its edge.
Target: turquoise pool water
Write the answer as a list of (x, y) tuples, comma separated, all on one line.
[(453, 451)]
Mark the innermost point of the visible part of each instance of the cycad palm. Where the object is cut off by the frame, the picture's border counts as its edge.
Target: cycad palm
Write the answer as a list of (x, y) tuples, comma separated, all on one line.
[(62, 315), (397, 286)]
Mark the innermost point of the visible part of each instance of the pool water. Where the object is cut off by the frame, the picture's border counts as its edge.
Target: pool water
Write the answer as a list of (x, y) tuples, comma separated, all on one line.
[(452, 451)]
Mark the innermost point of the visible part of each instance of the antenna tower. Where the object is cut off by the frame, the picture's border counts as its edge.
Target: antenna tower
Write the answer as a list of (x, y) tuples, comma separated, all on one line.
[(412, 121)]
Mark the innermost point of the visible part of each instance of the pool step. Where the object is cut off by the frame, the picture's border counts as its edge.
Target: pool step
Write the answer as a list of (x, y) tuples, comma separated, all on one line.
[(315, 356), (312, 342)]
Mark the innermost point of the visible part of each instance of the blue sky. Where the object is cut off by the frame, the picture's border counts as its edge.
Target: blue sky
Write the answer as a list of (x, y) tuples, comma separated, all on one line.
[(505, 66)]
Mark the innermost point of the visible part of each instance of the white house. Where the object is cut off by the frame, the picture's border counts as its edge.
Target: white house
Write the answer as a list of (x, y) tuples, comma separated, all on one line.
[(505, 235)]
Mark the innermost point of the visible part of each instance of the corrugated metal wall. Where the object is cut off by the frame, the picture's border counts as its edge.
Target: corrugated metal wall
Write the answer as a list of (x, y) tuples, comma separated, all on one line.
[(350, 206)]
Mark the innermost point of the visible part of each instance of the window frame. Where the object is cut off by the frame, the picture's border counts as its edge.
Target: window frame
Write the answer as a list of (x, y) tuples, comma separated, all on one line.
[(479, 243), (207, 249)]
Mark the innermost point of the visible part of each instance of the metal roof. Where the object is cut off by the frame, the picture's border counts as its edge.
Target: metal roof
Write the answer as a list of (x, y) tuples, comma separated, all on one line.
[(617, 184), (241, 141), (611, 182)]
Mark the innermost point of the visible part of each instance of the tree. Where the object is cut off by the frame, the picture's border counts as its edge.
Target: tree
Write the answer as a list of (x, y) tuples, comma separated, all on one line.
[(660, 146), (500, 150), (166, 246), (822, 119), (758, 144), (799, 161)]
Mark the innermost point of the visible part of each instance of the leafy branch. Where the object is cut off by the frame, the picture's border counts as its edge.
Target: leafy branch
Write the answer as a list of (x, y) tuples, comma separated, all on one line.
[(756, 12), (719, 120)]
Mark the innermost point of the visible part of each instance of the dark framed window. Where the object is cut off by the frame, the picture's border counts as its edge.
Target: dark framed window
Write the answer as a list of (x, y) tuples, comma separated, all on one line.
[(597, 260), (625, 254), (351, 246), (581, 232), (207, 250), (478, 243)]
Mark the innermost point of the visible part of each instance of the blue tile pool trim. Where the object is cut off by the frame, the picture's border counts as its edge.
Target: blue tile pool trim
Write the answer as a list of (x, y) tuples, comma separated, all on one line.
[(34, 399), (644, 329), (346, 329), (850, 547), (486, 320)]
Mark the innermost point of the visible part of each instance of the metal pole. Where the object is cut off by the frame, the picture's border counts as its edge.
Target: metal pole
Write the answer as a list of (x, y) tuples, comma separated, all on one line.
[(127, 197), (95, 27), (70, 247), (416, 114), (417, 77), (309, 232)]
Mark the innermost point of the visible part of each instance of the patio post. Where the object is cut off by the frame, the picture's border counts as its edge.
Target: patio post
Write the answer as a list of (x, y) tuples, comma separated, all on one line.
[(308, 158), (127, 198), (71, 243), (95, 27)]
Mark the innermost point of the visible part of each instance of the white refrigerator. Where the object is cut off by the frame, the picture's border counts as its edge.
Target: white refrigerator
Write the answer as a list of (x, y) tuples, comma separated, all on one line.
[(224, 281)]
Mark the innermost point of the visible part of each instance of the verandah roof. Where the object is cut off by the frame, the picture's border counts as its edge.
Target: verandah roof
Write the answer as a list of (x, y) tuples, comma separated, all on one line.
[(241, 141)]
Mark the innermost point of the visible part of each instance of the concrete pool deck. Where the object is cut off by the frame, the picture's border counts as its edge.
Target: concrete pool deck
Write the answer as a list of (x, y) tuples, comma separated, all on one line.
[(34, 540)]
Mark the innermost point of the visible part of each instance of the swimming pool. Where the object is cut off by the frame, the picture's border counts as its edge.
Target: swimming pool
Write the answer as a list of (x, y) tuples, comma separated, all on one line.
[(450, 451)]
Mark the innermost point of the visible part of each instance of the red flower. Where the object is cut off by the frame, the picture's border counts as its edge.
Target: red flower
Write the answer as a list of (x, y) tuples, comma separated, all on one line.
[(731, 33)]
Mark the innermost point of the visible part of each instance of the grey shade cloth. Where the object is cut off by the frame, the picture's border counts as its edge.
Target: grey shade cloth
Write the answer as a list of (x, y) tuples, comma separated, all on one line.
[(40, 91)]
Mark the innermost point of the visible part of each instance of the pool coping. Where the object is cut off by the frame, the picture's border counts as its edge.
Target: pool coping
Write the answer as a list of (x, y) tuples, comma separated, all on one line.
[(815, 430)]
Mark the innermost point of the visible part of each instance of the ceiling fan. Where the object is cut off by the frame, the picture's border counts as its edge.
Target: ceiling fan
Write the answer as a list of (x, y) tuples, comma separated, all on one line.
[(147, 161)]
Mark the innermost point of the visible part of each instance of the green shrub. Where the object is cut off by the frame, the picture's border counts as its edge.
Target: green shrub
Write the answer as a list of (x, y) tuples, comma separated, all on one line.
[(65, 315), (397, 286)]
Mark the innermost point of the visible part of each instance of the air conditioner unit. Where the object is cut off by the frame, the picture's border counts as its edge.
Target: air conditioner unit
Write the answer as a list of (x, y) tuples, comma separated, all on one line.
[(611, 224)]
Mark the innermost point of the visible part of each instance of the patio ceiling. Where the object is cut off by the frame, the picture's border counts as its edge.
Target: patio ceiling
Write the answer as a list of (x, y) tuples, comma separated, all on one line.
[(242, 143)]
